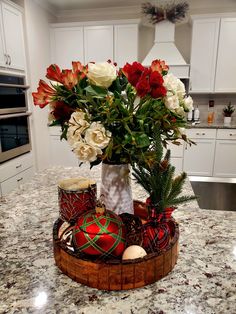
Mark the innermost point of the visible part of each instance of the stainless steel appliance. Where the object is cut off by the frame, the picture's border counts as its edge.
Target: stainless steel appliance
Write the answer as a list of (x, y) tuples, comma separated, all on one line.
[(12, 94)]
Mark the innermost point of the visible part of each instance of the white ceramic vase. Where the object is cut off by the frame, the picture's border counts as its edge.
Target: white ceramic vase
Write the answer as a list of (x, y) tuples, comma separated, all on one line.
[(115, 189), (227, 120)]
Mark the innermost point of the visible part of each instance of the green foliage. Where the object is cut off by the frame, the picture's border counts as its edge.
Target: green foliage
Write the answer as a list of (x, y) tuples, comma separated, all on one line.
[(156, 175)]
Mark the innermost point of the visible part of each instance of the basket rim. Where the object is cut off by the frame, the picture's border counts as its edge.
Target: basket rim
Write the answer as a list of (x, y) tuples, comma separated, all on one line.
[(147, 257)]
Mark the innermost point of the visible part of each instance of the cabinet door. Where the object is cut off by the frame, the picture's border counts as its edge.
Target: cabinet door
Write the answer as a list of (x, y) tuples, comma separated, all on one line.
[(225, 156), (199, 158), (67, 45), (3, 58), (125, 44), (61, 154), (14, 36), (226, 66), (203, 54), (98, 43)]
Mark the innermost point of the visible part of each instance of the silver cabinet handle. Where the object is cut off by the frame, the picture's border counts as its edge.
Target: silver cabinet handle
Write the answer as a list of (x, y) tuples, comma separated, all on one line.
[(18, 166), (6, 58), (200, 133), (9, 59), (20, 179)]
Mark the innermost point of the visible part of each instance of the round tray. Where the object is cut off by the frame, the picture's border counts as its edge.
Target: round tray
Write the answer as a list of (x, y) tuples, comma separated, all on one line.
[(115, 275)]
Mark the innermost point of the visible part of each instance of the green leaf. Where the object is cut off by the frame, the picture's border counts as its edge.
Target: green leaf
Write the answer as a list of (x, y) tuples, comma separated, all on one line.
[(141, 139), (96, 91)]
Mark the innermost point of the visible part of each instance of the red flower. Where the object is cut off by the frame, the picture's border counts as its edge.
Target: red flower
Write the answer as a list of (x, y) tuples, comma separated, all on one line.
[(54, 73), (158, 92), (159, 66), (143, 87), (133, 72), (79, 69), (156, 79), (43, 95), (61, 111), (69, 78)]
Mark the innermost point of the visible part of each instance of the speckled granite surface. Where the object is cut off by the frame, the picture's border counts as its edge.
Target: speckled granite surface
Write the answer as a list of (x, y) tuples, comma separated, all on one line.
[(202, 282), (211, 126)]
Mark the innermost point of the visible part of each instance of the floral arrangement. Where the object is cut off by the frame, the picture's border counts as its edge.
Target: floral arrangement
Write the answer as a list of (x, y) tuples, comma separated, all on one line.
[(110, 115), (171, 11)]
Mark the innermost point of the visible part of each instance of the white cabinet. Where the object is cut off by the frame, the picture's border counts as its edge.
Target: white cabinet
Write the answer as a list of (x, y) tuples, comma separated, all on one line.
[(61, 153), (199, 158), (225, 80), (125, 44), (12, 37), (15, 172), (212, 62), (176, 157), (203, 54), (67, 45), (98, 43), (225, 155)]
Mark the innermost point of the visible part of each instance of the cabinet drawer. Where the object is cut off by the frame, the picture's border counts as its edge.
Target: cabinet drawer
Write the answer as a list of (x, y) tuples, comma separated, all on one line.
[(15, 166), (201, 133), (14, 182), (226, 134)]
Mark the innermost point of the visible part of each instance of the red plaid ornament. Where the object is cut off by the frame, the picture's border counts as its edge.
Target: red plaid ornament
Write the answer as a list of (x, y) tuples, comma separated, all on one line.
[(99, 234)]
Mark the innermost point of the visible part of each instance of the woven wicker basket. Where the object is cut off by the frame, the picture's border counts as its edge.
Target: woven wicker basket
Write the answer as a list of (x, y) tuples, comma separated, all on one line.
[(115, 274)]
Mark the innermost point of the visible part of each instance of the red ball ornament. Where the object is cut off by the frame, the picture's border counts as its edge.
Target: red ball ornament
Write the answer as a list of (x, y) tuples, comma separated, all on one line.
[(99, 233)]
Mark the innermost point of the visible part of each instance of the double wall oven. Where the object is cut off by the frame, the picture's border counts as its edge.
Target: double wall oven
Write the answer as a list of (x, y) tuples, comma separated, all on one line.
[(14, 117)]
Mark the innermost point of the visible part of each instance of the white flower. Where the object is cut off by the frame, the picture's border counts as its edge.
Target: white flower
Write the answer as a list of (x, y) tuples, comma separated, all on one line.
[(180, 111), (73, 135), (86, 152), (172, 102), (78, 119), (173, 84), (101, 74), (188, 103), (97, 136)]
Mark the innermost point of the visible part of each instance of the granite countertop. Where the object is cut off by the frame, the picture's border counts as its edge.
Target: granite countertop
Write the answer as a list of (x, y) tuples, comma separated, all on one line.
[(203, 280), (215, 125)]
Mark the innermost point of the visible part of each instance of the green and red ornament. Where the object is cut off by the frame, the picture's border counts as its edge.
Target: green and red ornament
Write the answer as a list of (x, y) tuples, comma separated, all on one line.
[(100, 233)]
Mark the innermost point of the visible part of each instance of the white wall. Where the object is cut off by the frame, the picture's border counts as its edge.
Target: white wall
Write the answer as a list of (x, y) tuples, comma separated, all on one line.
[(37, 22)]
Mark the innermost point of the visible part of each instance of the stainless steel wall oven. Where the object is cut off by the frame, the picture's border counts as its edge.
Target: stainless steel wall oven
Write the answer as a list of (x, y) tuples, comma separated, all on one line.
[(14, 118)]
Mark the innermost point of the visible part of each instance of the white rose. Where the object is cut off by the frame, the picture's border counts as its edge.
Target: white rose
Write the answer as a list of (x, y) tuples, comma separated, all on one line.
[(173, 84), (172, 102), (97, 136), (78, 119), (73, 135), (188, 103), (101, 74), (86, 152), (180, 111)]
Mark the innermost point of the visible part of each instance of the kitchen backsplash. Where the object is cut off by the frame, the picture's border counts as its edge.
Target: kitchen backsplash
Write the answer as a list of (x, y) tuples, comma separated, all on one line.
[(220, 102)]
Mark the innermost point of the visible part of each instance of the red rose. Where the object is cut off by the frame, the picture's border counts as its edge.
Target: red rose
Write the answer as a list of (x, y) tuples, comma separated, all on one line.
[(156, 80), (61, 111), (158, 92), (133, 72), (143, 87)]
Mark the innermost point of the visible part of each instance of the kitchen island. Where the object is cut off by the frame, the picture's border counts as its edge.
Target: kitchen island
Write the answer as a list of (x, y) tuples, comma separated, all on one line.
[(203, 280)]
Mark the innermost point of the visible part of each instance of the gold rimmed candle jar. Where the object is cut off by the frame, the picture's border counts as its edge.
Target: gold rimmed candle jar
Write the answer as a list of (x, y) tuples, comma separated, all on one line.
[(76, 196)]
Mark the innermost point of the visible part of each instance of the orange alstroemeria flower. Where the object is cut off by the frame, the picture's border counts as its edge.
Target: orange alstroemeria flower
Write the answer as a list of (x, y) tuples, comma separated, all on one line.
[(79, 69), (69, 78), (159, 66), (54, 73), (44, 94)]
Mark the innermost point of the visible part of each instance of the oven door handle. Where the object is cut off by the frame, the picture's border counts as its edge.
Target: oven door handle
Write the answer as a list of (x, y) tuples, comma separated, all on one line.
[(15, 115), (14, 85)]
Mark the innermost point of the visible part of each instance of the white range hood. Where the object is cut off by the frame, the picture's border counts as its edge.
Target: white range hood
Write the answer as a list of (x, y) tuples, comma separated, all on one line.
[(164, 48)]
